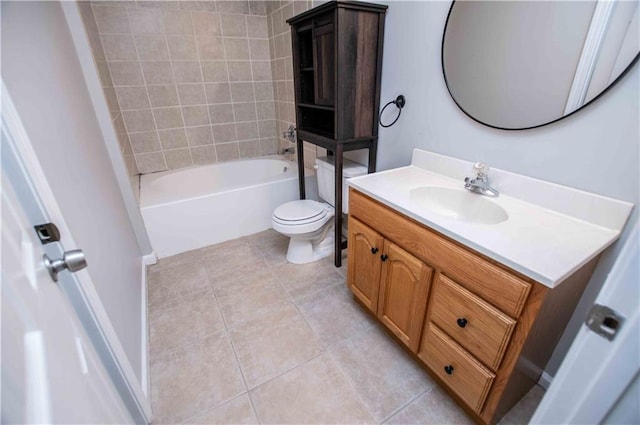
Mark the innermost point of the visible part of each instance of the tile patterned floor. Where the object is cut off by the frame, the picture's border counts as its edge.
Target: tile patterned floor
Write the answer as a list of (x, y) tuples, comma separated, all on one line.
[(239, 336)]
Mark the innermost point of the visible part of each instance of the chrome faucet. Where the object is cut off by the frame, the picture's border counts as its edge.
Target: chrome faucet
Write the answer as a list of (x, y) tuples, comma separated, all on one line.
[(481, 183)]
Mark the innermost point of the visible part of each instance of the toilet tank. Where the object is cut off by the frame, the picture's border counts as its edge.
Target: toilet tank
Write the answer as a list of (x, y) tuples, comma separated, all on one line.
[(325, 172)]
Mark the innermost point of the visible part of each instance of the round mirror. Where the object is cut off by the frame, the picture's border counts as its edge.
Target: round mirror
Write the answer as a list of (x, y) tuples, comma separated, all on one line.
[(522, 64)]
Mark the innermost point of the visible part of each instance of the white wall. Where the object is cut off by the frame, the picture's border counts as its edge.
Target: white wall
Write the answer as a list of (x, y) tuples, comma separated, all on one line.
[(596, 150), (41, 71)]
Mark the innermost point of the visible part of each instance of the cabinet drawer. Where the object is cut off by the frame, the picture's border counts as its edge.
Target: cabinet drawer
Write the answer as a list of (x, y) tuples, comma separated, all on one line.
[(494, 284), (455, 367), (473, 323)]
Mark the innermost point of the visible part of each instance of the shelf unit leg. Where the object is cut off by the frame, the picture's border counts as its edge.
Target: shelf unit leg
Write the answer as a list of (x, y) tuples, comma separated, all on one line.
[(373, 154), (300, 155), (338, 204)]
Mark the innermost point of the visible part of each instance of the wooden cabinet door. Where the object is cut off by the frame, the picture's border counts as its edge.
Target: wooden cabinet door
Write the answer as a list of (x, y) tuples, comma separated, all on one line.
[(324, 57), (363, 271), (404, 289)]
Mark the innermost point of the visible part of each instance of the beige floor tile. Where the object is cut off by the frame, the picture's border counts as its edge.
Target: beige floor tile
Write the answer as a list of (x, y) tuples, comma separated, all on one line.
[(313, 393), (229, 259), (522, 412), (334, 315), (183, 321), (166, 284), (434, 407), (301, 280), (384, 375), (194, 378), (273, 344), (250, 297), (189, 257), (236, 411)]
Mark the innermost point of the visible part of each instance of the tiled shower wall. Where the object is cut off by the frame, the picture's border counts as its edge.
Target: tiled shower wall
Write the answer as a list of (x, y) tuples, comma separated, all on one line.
[(282, 69), (116, 116), (192, 80)]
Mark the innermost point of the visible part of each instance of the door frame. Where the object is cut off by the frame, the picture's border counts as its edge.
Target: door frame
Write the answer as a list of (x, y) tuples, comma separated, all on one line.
[(19, 156)]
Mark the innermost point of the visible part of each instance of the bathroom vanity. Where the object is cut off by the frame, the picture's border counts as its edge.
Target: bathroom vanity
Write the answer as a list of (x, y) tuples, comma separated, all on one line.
[(478, 289)]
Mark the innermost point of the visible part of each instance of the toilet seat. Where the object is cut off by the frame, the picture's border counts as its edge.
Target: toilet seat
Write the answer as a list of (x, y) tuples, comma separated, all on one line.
[(300, 217), (296, 213)]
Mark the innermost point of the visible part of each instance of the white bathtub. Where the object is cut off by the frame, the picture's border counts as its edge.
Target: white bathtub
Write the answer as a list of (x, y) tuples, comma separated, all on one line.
[(198, 206)]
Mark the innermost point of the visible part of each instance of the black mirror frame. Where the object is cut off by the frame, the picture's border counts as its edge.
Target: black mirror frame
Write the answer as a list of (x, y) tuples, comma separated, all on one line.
[(444, 75)]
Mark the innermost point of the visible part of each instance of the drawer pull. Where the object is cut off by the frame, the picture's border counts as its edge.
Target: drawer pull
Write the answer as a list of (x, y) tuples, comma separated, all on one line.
[(384, 257), (462, 322), (448, 369), (374, 250)]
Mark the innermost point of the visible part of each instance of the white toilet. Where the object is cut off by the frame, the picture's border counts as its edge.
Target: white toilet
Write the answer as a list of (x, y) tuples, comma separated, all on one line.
[(309, 223)]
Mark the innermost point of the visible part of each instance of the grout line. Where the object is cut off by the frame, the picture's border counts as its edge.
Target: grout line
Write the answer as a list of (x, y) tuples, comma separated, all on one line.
[(402, 407)]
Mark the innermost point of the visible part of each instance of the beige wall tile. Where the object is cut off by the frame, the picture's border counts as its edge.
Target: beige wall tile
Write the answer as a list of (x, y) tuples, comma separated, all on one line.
[(187, 71), (152, 47), (236, 48), (182, 48), (192, 94), (173, 139), (112, 101), (263, 90), (267, 129), (287, 12), (223, 133), (234, 6), (132, 97), (119, 47), (261, 70), (217, 92), (221, 114), (259, 50), (214, 71), (178, 158), (211, 48), (158, 72), (104, 74), (265, 110), (239, 70), (164, 4), (168, 118), (144, 142), (233, 25), (177, 22), (258, 7), (198, 136), (203, 154), (207, 5), (227, 151), (150, 162), (138, 120), (242, 92), (257, 27), (163, 95), (206, 23), (245, 111), (146, 21), (269, 146), (247, 131), (249, 148), (195, 115), (111, 20)]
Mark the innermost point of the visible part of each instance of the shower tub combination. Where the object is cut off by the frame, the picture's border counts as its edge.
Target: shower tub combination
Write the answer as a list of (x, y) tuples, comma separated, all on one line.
[(198, 206)]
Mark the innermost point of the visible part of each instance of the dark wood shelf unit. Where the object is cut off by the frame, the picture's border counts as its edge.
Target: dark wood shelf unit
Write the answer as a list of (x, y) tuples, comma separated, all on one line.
[(337, 62)]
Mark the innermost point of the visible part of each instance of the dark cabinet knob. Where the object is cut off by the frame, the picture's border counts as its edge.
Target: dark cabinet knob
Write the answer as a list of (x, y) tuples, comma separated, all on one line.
[(462, 322), (384, 257), (374, 250), (448, 369)]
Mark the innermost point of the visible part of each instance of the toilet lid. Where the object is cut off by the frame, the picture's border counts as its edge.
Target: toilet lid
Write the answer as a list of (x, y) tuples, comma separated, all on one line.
[(299, 212)]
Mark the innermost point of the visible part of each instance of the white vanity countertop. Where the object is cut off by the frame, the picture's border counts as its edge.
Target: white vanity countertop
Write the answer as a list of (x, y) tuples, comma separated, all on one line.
[(551, 230)]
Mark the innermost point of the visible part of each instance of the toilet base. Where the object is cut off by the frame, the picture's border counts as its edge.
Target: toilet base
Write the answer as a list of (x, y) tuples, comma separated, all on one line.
[(305, 251)]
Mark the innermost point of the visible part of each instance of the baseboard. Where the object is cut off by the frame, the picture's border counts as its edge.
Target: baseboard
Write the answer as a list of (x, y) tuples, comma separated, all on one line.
[(144, 370), (150, 259), (545, 380)]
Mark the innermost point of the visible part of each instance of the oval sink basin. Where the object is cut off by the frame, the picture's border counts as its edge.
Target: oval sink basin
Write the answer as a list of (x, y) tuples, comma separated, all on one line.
[(459, 204)]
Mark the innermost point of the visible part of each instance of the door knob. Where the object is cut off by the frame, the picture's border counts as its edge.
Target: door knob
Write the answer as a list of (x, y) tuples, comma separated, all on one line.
[(73, 261)]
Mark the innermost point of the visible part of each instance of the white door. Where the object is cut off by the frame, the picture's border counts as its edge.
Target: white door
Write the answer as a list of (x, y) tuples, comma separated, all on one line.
[(597, 381), (50, 371)]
